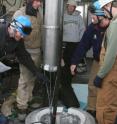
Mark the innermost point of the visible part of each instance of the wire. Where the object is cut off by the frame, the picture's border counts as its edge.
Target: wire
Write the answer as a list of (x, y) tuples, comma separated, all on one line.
[(53, 92), (11, 3), (50, 92)]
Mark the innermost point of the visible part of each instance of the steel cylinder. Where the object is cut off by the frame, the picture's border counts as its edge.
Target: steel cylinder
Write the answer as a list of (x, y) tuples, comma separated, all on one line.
[(52, 34)]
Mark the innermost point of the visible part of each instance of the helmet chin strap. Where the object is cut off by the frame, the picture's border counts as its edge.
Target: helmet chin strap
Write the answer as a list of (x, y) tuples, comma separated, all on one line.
[(109, 12)]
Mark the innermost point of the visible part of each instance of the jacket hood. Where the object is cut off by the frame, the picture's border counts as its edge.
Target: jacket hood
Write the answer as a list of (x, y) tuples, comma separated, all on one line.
[(30, 10)]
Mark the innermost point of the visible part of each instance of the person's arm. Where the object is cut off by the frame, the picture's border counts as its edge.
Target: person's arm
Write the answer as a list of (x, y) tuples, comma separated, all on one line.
[(110, 55), (25, 59), (111, 52), (84, 46)]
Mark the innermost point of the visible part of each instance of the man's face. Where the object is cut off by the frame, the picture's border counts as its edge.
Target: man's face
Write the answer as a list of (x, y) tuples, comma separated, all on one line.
[(104, 22), (36, 4), (70, 8), (18, 36)]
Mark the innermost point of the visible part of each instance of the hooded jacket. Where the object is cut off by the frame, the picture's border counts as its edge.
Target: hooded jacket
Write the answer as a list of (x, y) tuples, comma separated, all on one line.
[(92, 38), (73, 27)]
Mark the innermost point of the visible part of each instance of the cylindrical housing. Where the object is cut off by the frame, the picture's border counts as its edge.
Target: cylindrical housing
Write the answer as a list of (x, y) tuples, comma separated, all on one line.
[(52, 42)]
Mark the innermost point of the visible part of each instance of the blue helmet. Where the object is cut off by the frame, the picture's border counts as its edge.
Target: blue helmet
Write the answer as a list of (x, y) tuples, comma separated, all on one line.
[(101, 3), (97, 5), (99, 12), (96, 10), (22, 24)]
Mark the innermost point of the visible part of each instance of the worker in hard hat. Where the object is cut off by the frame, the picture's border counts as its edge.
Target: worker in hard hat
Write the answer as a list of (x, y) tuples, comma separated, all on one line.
[(106, 79), (92, 38), (73, 29), (33, 45)]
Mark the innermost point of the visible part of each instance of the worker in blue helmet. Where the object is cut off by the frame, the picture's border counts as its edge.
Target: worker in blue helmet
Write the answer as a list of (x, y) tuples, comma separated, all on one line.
[(92, 38), (33, 44), (12, 42), (96, 13)]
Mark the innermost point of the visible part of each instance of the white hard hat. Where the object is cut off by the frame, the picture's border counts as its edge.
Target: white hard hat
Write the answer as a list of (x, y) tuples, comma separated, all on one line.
[(72, 2), (104, 2)]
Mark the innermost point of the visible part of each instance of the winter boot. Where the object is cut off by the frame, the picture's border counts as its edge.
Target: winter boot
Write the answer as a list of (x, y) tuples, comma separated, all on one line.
[(22, 113)]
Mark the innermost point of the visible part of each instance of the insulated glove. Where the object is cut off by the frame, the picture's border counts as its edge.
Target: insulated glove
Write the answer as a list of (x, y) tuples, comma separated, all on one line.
[(98, 82), (42, 78)]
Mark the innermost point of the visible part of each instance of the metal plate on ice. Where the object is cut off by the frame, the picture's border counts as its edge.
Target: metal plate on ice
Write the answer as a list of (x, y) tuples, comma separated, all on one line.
[(71, 116)]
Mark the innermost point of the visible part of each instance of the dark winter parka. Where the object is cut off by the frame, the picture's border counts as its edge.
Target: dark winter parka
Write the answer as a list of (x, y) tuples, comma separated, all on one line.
[(9, 45), (92, 38)]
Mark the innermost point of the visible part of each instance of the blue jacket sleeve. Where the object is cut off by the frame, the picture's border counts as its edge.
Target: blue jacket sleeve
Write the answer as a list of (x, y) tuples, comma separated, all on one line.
[(84, 45)]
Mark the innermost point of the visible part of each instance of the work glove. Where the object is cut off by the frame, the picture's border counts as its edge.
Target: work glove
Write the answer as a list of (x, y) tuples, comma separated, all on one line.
[(42, 78), (98, 82)]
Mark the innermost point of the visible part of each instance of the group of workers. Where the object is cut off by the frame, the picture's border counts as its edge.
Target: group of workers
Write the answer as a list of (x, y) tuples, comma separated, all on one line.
[(101, 35), (23, 37)]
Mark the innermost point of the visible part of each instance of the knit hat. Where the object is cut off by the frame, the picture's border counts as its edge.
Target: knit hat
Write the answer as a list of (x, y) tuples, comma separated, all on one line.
[(72, 2), (30, 1)]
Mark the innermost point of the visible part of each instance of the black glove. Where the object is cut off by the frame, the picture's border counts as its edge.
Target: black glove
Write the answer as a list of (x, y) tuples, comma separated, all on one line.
[(42, 78), (115, 120), (98, 82)]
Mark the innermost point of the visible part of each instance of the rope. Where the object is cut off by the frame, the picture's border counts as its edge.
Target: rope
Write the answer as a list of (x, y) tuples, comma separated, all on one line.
[(51, 94)]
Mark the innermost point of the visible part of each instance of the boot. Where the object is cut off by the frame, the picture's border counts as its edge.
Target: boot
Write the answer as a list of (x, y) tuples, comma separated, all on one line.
[(92, 112), (35, 103), (22, 113)]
